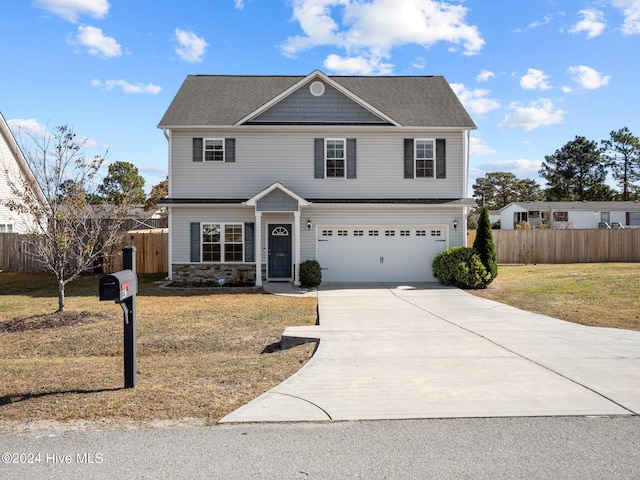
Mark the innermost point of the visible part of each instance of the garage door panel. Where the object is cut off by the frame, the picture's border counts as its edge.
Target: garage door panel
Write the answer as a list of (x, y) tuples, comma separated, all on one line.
[(378, 254)]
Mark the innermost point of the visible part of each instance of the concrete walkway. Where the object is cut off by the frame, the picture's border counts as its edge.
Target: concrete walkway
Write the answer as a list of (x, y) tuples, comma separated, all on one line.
[(426, 351)]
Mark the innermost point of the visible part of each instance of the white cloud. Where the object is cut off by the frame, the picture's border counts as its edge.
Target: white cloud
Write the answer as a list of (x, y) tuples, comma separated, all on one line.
[(126, 86), (239, 4), (592, 23), (534, 80), (71, 10), (478, 146), (485, 76), (30, 128), (370, 30), (475, 100), (96, 42), (631, 11), (588, 78), (359, 65), (541, 113), (190, 47)]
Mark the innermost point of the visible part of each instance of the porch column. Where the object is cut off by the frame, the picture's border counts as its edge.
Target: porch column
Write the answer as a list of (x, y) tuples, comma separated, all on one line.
[(258, 248), (296, 248)]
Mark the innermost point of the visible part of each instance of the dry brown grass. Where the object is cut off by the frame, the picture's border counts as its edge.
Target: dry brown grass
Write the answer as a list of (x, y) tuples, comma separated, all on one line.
[(199, 354), (596, 294)]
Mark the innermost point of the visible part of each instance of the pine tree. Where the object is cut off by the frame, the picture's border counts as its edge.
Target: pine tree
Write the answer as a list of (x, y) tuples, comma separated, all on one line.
[(484, 246)]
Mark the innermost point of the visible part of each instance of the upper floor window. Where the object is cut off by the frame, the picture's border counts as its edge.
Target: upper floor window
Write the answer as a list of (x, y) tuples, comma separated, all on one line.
[(334, 158), (425, 158), (214, 150), (334, 155)]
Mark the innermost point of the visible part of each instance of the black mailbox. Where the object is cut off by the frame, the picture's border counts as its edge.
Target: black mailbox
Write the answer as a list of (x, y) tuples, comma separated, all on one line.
[(118, 286)]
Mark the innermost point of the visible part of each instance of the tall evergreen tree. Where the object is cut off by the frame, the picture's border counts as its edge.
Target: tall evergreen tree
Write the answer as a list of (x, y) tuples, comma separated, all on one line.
[(574, 172), (123, 184), (484, 246), (621, 152)]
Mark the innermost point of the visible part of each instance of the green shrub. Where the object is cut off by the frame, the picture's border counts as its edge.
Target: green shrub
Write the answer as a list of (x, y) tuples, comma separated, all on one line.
[(484, 246), (460, 267), (310, 274)]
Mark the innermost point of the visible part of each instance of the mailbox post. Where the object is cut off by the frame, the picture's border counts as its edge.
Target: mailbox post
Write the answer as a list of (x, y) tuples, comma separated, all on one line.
[(122, 287)]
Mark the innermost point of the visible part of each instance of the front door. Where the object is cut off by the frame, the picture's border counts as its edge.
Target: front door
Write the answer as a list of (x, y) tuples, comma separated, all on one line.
[(280, 251)]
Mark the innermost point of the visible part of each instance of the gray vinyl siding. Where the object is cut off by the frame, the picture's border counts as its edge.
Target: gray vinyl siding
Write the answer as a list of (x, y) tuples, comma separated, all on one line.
[(277, 201), (263, 158), (181, 219), (331, 107)]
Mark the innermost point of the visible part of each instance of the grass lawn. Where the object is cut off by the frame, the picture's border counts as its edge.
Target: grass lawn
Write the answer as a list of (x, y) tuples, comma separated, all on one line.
[(596, 294), (200, 355)]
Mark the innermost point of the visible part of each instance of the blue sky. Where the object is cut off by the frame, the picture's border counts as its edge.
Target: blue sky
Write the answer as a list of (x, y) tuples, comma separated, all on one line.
[(533, 74)]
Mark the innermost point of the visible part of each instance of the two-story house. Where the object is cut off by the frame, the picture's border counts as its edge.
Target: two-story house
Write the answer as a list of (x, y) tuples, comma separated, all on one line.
[(367, 175)]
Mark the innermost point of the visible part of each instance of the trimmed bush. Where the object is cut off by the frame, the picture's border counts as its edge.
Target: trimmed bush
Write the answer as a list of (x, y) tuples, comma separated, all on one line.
[(484, 246), (460, 267), (310, 274)]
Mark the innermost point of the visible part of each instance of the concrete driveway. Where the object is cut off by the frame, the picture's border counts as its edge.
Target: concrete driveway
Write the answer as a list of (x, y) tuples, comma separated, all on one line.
[(427, 351)]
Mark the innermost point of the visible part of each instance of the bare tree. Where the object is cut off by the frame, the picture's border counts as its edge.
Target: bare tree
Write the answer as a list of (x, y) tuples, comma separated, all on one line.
[(69, 230)]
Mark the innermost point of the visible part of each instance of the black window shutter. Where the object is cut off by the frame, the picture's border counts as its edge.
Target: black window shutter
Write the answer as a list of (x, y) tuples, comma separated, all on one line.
[(195, 242), (318, 157), (197, 149), (628, 218), (249, 242), (229, 149), (351, 158), (408, 158), (441, 158)]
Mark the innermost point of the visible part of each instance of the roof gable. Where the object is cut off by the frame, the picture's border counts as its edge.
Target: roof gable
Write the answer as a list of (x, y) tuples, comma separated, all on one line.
[(211, 100), (317, 101)]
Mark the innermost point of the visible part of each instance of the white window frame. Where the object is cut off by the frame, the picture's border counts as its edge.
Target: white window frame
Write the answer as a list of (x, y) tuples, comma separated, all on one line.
[(344, 157), (223, 241), (432, 159), (6, 227), (214, 151)]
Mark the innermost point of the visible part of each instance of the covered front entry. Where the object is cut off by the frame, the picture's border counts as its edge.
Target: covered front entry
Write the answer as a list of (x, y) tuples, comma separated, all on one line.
[(279, 252), (379, 254), (278, 204)]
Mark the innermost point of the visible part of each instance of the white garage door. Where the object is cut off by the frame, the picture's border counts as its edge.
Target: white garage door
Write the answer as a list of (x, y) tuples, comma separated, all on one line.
[(379, 254)]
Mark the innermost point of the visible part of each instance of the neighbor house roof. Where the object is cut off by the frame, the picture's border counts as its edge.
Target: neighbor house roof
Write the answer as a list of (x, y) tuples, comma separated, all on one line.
[(220, 100), (585, 206)]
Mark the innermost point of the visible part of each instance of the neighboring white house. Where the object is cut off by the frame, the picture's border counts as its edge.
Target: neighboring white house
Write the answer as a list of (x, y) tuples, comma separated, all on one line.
[(368, 175), (571, 214), (14, 168)]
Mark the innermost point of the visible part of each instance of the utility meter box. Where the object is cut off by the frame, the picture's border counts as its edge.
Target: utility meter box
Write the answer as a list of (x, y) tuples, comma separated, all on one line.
[(118, 286)]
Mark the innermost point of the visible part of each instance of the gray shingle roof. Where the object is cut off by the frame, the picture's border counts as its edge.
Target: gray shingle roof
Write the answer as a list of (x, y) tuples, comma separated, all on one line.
[(217, 100)]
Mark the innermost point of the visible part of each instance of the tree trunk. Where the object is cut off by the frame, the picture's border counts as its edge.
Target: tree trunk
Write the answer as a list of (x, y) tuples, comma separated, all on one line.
[(60, 296)]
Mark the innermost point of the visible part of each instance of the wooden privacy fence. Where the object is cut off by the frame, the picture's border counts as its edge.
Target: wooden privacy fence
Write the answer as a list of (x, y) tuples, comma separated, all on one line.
[(152, 250), (17, 254), (565, 246)]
